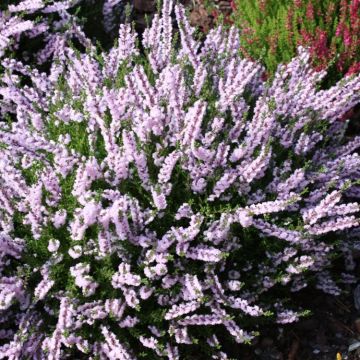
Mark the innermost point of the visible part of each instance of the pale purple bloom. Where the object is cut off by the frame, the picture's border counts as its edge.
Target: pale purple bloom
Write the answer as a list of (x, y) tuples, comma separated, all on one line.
[(181, 309), (43, 287), (75, 252), (286, 317), (113, 346), (53, 245)]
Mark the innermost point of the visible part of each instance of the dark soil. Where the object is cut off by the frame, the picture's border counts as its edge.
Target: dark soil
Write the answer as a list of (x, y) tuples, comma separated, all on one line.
[(334, 325), (326, 335)]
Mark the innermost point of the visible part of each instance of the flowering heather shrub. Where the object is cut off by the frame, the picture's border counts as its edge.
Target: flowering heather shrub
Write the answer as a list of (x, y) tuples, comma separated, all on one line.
[(49, 25), (36, 19), (272, 30), (166, 206)]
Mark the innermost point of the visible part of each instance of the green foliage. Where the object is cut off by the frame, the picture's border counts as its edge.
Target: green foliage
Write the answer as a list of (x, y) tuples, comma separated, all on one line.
[(272, 30)]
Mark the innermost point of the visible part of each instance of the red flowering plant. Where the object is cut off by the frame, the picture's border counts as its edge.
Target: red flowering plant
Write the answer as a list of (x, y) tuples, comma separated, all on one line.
[(272, 30)]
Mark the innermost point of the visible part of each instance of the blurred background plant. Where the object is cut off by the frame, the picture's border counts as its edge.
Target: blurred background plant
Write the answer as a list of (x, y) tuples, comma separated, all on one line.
[(272, 30)]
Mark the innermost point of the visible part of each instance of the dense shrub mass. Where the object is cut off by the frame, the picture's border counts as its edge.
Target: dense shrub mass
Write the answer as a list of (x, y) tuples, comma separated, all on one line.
[(37, 29), (38, 22), (272, 30), (165, 207)]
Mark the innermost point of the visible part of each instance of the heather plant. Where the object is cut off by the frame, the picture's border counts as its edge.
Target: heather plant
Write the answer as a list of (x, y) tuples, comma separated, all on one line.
[(37, 29), (166, 206), (39, 24), (272, 30)]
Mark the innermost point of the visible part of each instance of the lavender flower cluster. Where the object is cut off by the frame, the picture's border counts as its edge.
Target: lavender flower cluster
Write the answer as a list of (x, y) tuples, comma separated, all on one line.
[(53, 22), (157, 206)]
